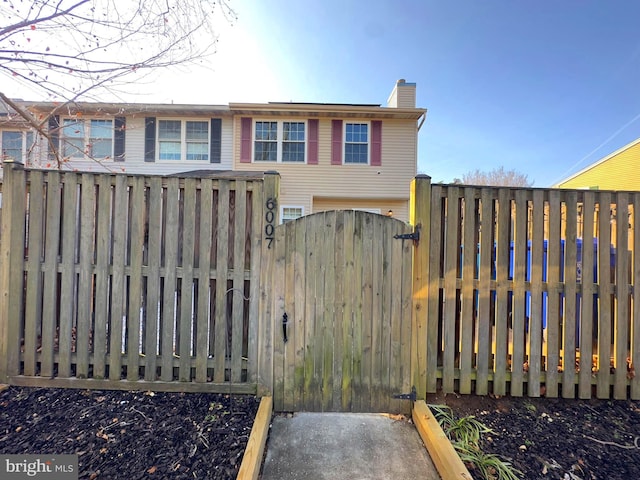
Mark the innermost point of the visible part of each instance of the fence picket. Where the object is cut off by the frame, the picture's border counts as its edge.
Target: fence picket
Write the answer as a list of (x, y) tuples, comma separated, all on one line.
[(339, 303), (588, 289), (68, 274), (118, 279), (101, 309), (604, 295), (134, 290), (434, 339), (486, 316), (288, 348), (569, 320), (152, 293), (351, 289), (33, 308), (503, 240), (635, 329), (328, 307), (450, 320), (622, 297), (298, 316), (469, 253), (535, 321), (50, 294), (169, 281), (554, 292), (237, 321)]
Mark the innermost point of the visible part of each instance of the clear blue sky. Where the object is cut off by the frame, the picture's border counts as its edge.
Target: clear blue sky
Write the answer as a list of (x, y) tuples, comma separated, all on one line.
[(545, 87), (536, 86)]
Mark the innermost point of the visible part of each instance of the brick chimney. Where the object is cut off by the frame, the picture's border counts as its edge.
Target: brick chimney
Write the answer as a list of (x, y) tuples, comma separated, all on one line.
[(403, 95)]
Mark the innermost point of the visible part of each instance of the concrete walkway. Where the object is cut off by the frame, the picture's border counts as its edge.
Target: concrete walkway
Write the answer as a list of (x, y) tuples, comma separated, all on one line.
[(317, 446)]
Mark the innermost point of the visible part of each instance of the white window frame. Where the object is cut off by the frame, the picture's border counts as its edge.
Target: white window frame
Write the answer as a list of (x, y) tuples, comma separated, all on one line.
[(280, 140), (282, 208), (344, 142), (87, 138), (183, 140), (27, 145)]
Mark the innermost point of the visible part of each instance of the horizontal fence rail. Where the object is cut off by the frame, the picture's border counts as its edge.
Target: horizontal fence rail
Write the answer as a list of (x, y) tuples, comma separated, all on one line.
[(124, 279), (531, 292)]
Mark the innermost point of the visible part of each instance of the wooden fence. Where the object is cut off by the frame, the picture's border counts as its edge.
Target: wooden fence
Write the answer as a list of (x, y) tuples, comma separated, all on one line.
[(120, 281), (109, 280), (528, 291)]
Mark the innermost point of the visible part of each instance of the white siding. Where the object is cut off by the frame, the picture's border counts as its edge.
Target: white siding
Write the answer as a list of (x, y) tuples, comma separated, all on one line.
[(134, 155)]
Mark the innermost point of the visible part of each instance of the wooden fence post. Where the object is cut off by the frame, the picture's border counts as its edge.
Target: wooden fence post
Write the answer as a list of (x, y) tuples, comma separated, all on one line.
[(11, 267), (270, 219), (420, 217)]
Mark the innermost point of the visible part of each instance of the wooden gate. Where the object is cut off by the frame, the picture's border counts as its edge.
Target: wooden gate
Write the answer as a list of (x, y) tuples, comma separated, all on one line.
[(337, 306)]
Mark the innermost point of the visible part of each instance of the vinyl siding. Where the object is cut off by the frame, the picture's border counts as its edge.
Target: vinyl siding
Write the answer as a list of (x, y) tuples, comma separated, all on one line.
[(300, 183), (399, 208), (620, 172), (134, 154)]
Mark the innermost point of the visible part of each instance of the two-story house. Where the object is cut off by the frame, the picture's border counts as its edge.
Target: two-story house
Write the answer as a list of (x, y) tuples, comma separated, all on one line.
[(329, 156), (333, 156)]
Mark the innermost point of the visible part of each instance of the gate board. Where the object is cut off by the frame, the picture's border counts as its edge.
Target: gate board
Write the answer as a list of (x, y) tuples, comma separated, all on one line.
[(345, 284)]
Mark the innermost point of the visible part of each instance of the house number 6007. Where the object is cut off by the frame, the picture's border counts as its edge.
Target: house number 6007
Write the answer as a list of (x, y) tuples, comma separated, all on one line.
[(270, 217)]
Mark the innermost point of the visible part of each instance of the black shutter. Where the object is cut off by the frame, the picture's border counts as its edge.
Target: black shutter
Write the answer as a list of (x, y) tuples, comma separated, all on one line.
[(119, 125), (150, 139), (216, 140), (53, 146)]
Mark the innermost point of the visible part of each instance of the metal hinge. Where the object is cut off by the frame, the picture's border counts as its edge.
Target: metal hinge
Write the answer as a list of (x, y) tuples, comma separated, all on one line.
[(415, 236), (408, 396)]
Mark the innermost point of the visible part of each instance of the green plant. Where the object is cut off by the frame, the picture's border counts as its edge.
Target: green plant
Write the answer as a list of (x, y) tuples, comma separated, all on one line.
[(466, 430), (490, 466), (465, 434)]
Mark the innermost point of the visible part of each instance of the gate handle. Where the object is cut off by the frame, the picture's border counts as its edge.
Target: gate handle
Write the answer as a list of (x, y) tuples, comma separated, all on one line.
[(285, 320)]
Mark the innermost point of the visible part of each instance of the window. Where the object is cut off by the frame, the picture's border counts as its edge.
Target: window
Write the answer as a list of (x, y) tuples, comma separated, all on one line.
[(266, 146), (183, 139), (356, 144), (290, 213), (93, 138), (279, 141), (12, 146), (293, 142), (17, 146), (169, 136), (197, 139)]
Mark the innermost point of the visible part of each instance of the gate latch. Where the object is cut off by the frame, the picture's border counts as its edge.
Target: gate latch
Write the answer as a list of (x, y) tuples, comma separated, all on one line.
[(415, 236), (408, 396), (285, 320)]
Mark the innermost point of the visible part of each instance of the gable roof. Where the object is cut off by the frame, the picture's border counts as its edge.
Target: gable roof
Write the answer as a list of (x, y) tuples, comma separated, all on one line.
[(597, 164)]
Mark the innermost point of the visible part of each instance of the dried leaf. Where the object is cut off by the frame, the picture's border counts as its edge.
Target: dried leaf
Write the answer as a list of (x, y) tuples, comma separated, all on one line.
[(152, 469)]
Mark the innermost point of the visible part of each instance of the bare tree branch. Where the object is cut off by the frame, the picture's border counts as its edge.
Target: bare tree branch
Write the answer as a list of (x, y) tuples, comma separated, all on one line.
[(498, 177), (69, 49)]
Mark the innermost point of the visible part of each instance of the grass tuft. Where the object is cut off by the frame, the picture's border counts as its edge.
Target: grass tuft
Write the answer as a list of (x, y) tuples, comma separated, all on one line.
[(465, 434)]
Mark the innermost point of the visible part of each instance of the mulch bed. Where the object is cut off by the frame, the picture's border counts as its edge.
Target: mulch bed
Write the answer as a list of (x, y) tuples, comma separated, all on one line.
[(548, 438), (130, 435)]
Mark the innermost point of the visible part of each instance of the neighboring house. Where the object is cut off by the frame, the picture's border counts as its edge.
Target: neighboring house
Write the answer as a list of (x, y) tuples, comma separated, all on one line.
[(329, 156), (617, 171), (135, 138), (16, 140)]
